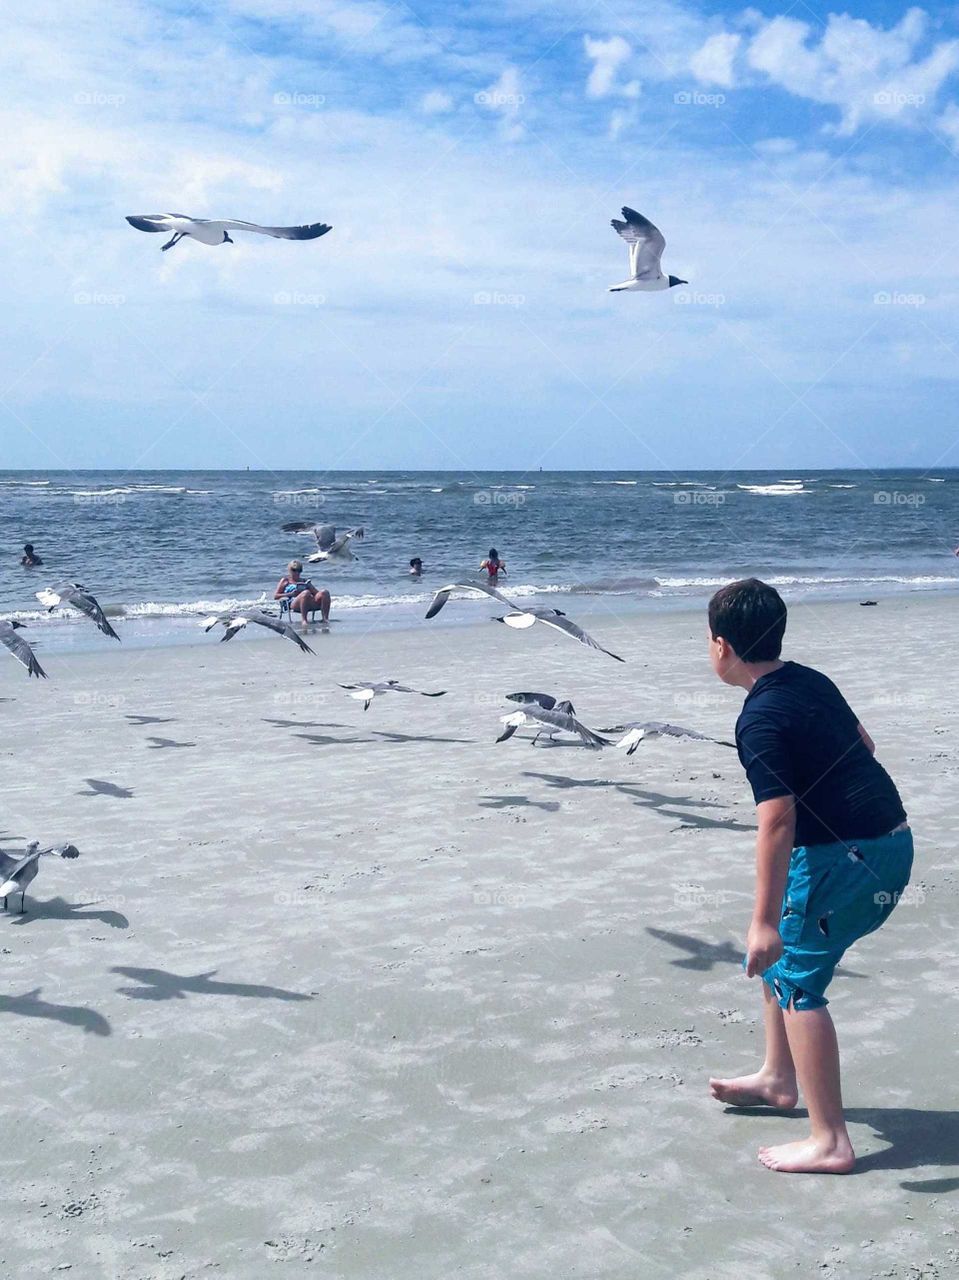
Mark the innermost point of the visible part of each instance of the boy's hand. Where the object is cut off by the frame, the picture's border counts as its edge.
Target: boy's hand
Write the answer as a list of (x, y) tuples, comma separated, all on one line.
[(764, 946)]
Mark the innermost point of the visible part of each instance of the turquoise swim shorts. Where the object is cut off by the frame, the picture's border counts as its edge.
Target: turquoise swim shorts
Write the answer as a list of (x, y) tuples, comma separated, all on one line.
[(835, 894)]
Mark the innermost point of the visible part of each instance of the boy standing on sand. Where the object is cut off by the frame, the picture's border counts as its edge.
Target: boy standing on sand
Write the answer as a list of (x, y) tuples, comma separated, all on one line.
[(833, 855)]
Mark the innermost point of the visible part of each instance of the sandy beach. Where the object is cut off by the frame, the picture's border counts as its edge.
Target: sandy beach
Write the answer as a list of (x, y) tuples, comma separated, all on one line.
[(365, 995)]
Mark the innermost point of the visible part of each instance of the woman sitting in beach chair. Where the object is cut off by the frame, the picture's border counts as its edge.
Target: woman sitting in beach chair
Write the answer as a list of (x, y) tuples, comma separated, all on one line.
[(299, 595)]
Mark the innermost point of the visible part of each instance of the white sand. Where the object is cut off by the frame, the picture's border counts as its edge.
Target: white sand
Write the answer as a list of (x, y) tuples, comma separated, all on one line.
[(365, 995)]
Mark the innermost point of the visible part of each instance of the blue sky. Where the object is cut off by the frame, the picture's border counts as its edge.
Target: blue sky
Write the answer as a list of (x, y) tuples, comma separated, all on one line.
[(801, 161)]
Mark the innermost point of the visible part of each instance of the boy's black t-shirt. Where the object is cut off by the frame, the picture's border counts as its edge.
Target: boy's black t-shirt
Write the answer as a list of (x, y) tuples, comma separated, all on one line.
[(797, 735)]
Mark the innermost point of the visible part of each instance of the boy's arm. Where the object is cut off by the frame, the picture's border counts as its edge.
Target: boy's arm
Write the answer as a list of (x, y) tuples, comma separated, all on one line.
[(869, 744), (774, 844)]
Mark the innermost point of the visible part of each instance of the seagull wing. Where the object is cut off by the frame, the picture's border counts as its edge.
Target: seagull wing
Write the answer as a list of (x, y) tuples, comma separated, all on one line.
[(312, 231), (444, 593), (22, 863), (301, 526), (21, 651), (87, 604), (570, 628), (152, 221), (541, 699), (646, 244), (281, 628)]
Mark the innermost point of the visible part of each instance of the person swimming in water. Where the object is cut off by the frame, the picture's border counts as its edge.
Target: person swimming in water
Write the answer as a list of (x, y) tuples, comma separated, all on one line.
[(494, 566), (416, 567), (30, 559)]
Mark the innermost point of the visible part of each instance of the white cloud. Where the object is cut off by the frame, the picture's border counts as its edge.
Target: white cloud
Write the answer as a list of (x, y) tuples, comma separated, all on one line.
[(607, 56), (867, 72), (713, 63), (506, 97), (436, 102)]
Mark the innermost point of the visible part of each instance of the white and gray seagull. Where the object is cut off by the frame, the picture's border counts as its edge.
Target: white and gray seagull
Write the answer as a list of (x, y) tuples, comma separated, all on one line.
[(212, 232), (329, 546), (366, 690), (76, 596), (637, 731), (550, 720), (18, 872), (234, 620), (520, 618), (646, 244), (20, 649)]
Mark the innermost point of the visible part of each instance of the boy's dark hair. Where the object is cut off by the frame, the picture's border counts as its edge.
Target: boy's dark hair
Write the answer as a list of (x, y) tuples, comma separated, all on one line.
[(751, 616)]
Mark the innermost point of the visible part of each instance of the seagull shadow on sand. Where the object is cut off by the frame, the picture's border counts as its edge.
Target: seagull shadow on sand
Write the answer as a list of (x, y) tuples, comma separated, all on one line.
[(306, 724), (514, 802), (666, 805), (60, 909), (158, 744), (159, 984), (387, 736), (143, 720), (326, 739), (704, 954), (29, 1005), (100, 788)]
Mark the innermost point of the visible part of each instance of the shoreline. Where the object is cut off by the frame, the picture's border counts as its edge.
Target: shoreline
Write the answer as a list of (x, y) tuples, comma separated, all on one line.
[(62, 633)]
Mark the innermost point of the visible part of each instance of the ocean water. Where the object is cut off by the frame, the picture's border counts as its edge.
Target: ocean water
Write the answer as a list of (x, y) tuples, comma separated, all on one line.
[(162, 549)]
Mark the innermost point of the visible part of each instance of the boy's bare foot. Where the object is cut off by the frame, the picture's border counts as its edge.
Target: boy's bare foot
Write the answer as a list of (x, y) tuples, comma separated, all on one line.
[(758, 1090), (809, 1156)]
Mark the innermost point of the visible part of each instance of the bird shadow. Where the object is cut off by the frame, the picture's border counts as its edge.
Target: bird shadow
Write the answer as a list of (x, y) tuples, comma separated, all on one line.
[(703, 954), (100, 788), (305, 724), (29, 1005), (144, 720), (511, 802), (158, 744), (666, 805), (60, 909), (387, 736), (326, 739), (159, 984)]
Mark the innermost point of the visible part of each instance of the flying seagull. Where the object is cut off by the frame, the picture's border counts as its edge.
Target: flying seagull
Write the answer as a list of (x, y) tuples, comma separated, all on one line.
[(19, 872), (235, 620), (77, 597), (521, 618), (328, 545), (209, 232), (20, 649), (646, 245), (636, 731), (550, 721), (366, 690)]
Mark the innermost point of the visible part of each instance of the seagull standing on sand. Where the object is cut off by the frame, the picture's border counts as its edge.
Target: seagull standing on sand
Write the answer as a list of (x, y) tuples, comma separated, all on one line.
[(236, 619), (637, 731), (208, 232), (20, 649), (521, 618), (550, 721), (366, 690), (19, 872), (76, 596), (646, 244)]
